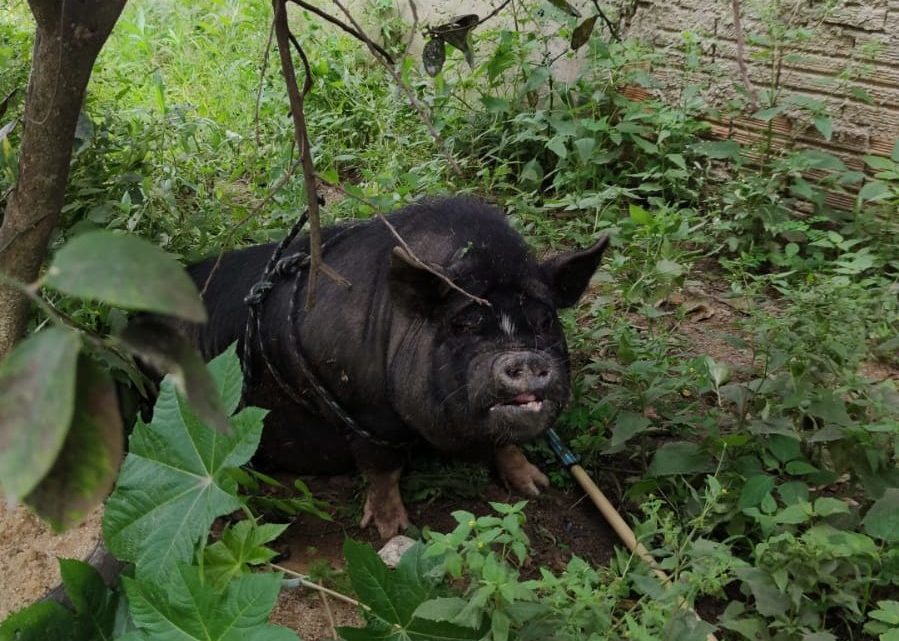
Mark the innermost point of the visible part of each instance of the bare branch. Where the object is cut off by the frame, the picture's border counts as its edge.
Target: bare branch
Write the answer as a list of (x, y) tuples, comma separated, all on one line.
[(243, 221), (284, 37), (419, 262), (265, 57), (493, 13), (741, 55), (413, 29), (410, 94), (612, 28), (338, 23)]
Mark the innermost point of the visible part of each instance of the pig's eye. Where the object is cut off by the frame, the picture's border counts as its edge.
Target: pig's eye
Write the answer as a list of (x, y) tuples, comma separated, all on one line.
[(540, 318), (467, 323)]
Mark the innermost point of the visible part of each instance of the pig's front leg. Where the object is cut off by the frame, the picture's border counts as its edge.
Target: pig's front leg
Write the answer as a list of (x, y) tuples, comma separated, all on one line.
[(520, 474), (383, 503)]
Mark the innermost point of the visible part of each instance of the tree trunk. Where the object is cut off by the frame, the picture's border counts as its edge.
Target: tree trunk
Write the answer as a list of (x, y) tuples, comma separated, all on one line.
[(68, 38)]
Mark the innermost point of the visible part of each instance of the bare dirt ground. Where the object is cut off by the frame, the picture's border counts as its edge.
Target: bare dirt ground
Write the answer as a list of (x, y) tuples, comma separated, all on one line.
[(559, 523), (28, 553)]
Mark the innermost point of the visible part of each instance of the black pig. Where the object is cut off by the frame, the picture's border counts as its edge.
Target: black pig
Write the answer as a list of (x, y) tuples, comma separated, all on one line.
[(406, 355)]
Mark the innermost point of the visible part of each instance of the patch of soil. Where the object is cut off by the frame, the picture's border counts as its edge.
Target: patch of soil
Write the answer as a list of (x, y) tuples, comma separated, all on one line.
[(28, 553), (308, 613), (560, 523)]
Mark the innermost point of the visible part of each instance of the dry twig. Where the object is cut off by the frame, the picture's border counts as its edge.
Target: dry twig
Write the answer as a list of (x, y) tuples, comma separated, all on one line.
[(342, 25), (410, 94), (284, 38), (741, 55), (405, 246), (306, 583)]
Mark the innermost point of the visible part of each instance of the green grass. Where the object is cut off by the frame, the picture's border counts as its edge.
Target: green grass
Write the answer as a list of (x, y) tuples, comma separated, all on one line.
[(705, 452)]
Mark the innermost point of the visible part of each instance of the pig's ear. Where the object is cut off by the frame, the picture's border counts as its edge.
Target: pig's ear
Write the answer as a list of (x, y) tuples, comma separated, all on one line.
[(412, 283), (568, 274)]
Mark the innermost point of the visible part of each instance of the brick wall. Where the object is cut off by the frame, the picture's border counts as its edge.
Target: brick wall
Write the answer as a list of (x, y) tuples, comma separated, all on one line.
[(844, 37)]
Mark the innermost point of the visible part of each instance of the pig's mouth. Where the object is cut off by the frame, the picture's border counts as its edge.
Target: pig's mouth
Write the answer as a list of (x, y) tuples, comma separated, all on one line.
[(521, 403)]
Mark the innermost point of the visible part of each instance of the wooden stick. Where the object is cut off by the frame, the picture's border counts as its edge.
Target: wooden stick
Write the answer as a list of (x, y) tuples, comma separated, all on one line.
[(625, 533)]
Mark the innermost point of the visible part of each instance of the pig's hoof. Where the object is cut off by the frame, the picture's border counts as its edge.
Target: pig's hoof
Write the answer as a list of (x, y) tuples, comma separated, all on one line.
[(519, 473), (389, 516), (526, 479)]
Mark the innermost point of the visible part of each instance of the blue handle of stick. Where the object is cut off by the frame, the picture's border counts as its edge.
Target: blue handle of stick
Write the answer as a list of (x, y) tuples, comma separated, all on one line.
[(561, 450)]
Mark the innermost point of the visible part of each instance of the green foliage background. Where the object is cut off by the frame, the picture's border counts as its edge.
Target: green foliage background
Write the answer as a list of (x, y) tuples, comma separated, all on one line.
[(767, 487)]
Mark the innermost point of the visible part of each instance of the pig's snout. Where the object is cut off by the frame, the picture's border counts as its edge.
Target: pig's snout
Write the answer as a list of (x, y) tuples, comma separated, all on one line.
[(524, 376)]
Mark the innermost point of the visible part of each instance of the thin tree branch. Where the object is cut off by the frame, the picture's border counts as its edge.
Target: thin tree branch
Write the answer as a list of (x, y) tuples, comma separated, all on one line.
[(243, 221), (265, 58), (283, 37), (741, 55), (493, 13), (410, 94), (420, 263), (413, 29), (306, 583), (338, 23), (612, 28)]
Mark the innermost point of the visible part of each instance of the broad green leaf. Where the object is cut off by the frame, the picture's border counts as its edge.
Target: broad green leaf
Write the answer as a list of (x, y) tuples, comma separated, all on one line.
[(42, 621), (669, 268), (824, 126), (882, 519), (719, 149), (537, 77), (817, 159), (879, 163), (800, 468), (95, 604), (770, 113), (755, 490), (441, 609), (581, 33), (394, 596), (628, 425), (240, 546), (37, 401), (678, 160), (495, 105), (831, 408), (93, 619), (584, 148), (175, 481), (873, 190), (794, 514), (639, 215), (686, 626), (182, 608), (168, 351), (389, 598), (719, 372), (769, 601), (556, 145), (125, 271), (679, 457), (532, 172), (89, 460), (895, 154), (828, 506), (887, 611)]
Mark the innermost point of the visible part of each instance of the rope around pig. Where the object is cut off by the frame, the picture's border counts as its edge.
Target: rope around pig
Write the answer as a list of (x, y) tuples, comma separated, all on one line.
[(277, 270)]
